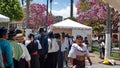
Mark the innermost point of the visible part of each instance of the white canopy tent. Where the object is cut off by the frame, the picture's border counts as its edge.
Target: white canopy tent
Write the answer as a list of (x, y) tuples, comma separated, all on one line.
[(4, 18), (76, 27), (73, 28)]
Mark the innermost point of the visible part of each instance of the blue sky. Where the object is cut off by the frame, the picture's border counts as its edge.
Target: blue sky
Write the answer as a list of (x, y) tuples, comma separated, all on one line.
[(57, 4), (59, 7)]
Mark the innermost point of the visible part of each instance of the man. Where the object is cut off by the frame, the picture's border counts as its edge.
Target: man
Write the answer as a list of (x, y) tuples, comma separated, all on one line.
[(44, 43), (6, 48)]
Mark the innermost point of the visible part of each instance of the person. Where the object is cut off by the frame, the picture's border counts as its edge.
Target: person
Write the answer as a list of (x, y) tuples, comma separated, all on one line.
[(6, 48), (64, 49), (32, 46), (16, 49), (25, 55), (60, 55), (86, 41), (51, 61), (1, 59), (78, 53), (44, 51), (101, 47)]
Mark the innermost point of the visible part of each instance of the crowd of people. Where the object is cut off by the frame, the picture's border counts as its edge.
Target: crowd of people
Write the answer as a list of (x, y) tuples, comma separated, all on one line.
[(45, 50)]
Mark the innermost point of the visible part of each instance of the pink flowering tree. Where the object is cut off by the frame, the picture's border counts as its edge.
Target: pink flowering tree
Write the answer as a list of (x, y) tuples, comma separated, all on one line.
[(38, 16), (91, 12)]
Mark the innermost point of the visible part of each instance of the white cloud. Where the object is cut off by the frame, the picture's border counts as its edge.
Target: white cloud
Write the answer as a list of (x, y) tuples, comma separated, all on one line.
[(65, 12), (55, 3)]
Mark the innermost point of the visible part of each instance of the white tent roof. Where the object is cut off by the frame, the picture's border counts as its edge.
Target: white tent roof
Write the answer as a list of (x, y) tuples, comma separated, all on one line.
[(4, 18), (70, 24)]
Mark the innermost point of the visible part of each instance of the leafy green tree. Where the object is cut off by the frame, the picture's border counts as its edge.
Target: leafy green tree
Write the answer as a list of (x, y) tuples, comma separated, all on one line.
[(72, 18), (12, 9)]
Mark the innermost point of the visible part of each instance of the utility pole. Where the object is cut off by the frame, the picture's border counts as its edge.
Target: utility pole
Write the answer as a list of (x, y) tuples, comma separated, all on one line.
[(108, 36), (50, 6), (71, 8), (47, 16)]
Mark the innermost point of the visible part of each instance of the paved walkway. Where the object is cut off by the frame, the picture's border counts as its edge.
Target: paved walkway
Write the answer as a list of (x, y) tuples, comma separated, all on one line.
[(97, 62)]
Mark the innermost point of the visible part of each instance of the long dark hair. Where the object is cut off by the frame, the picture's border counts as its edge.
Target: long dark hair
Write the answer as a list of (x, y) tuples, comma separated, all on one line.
[(3, 31)]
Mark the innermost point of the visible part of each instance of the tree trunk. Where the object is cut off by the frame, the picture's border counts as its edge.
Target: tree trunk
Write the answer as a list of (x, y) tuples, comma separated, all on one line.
[(27, 13)]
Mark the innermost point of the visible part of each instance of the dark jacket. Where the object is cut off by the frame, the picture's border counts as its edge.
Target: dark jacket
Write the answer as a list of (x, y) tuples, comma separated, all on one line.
[(44, 43)]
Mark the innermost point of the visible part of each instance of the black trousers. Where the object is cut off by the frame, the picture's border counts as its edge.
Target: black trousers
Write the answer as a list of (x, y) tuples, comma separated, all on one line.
[(19, 64), (60, 59), (35, 61), (51, 61), (42, 61)]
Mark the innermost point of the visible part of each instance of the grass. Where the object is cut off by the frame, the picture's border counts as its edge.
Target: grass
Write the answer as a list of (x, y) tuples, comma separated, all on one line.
[(95, 49), (115, 55)]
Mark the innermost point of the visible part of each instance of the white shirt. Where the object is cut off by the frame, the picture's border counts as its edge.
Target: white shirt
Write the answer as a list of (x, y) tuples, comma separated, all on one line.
[(77, 50), (64, 44), (54, 47), (25, 54)]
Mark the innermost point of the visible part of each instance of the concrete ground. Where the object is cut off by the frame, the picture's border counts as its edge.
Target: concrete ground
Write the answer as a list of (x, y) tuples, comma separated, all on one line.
[(97, 62)]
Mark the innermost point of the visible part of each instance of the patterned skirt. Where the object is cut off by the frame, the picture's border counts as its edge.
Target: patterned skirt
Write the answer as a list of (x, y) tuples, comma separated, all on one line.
[(79, 64)]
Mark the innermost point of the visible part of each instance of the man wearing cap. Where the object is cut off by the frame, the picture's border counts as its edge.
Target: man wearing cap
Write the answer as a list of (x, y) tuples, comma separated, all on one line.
[(6, 48)]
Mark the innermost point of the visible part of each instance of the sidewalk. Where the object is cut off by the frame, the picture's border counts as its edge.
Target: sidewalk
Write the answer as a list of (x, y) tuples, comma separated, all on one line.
[(97, 62)]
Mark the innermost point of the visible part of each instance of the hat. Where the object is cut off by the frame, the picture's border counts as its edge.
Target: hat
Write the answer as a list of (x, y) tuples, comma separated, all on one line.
[(3, 31), (19, 36)]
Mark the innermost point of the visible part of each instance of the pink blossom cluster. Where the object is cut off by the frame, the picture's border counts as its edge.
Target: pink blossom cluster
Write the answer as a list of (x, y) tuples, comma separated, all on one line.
[(97, 9), (38, 15)]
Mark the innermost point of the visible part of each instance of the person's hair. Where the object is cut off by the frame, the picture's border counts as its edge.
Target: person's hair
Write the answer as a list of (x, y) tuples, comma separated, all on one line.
[(79, 36), (57, 35), (50, 35), (41, 30), (63, 34), (18, 31), (3, 31), (11, 34), (31, 35), (85, 37)]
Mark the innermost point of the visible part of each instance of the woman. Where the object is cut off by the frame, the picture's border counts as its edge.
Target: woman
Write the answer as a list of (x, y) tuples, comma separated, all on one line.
[(58, 39), (6, 48), (78, 53), (51, 61), (32, 46), (25, 56), (101, 47), (16, 49)]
